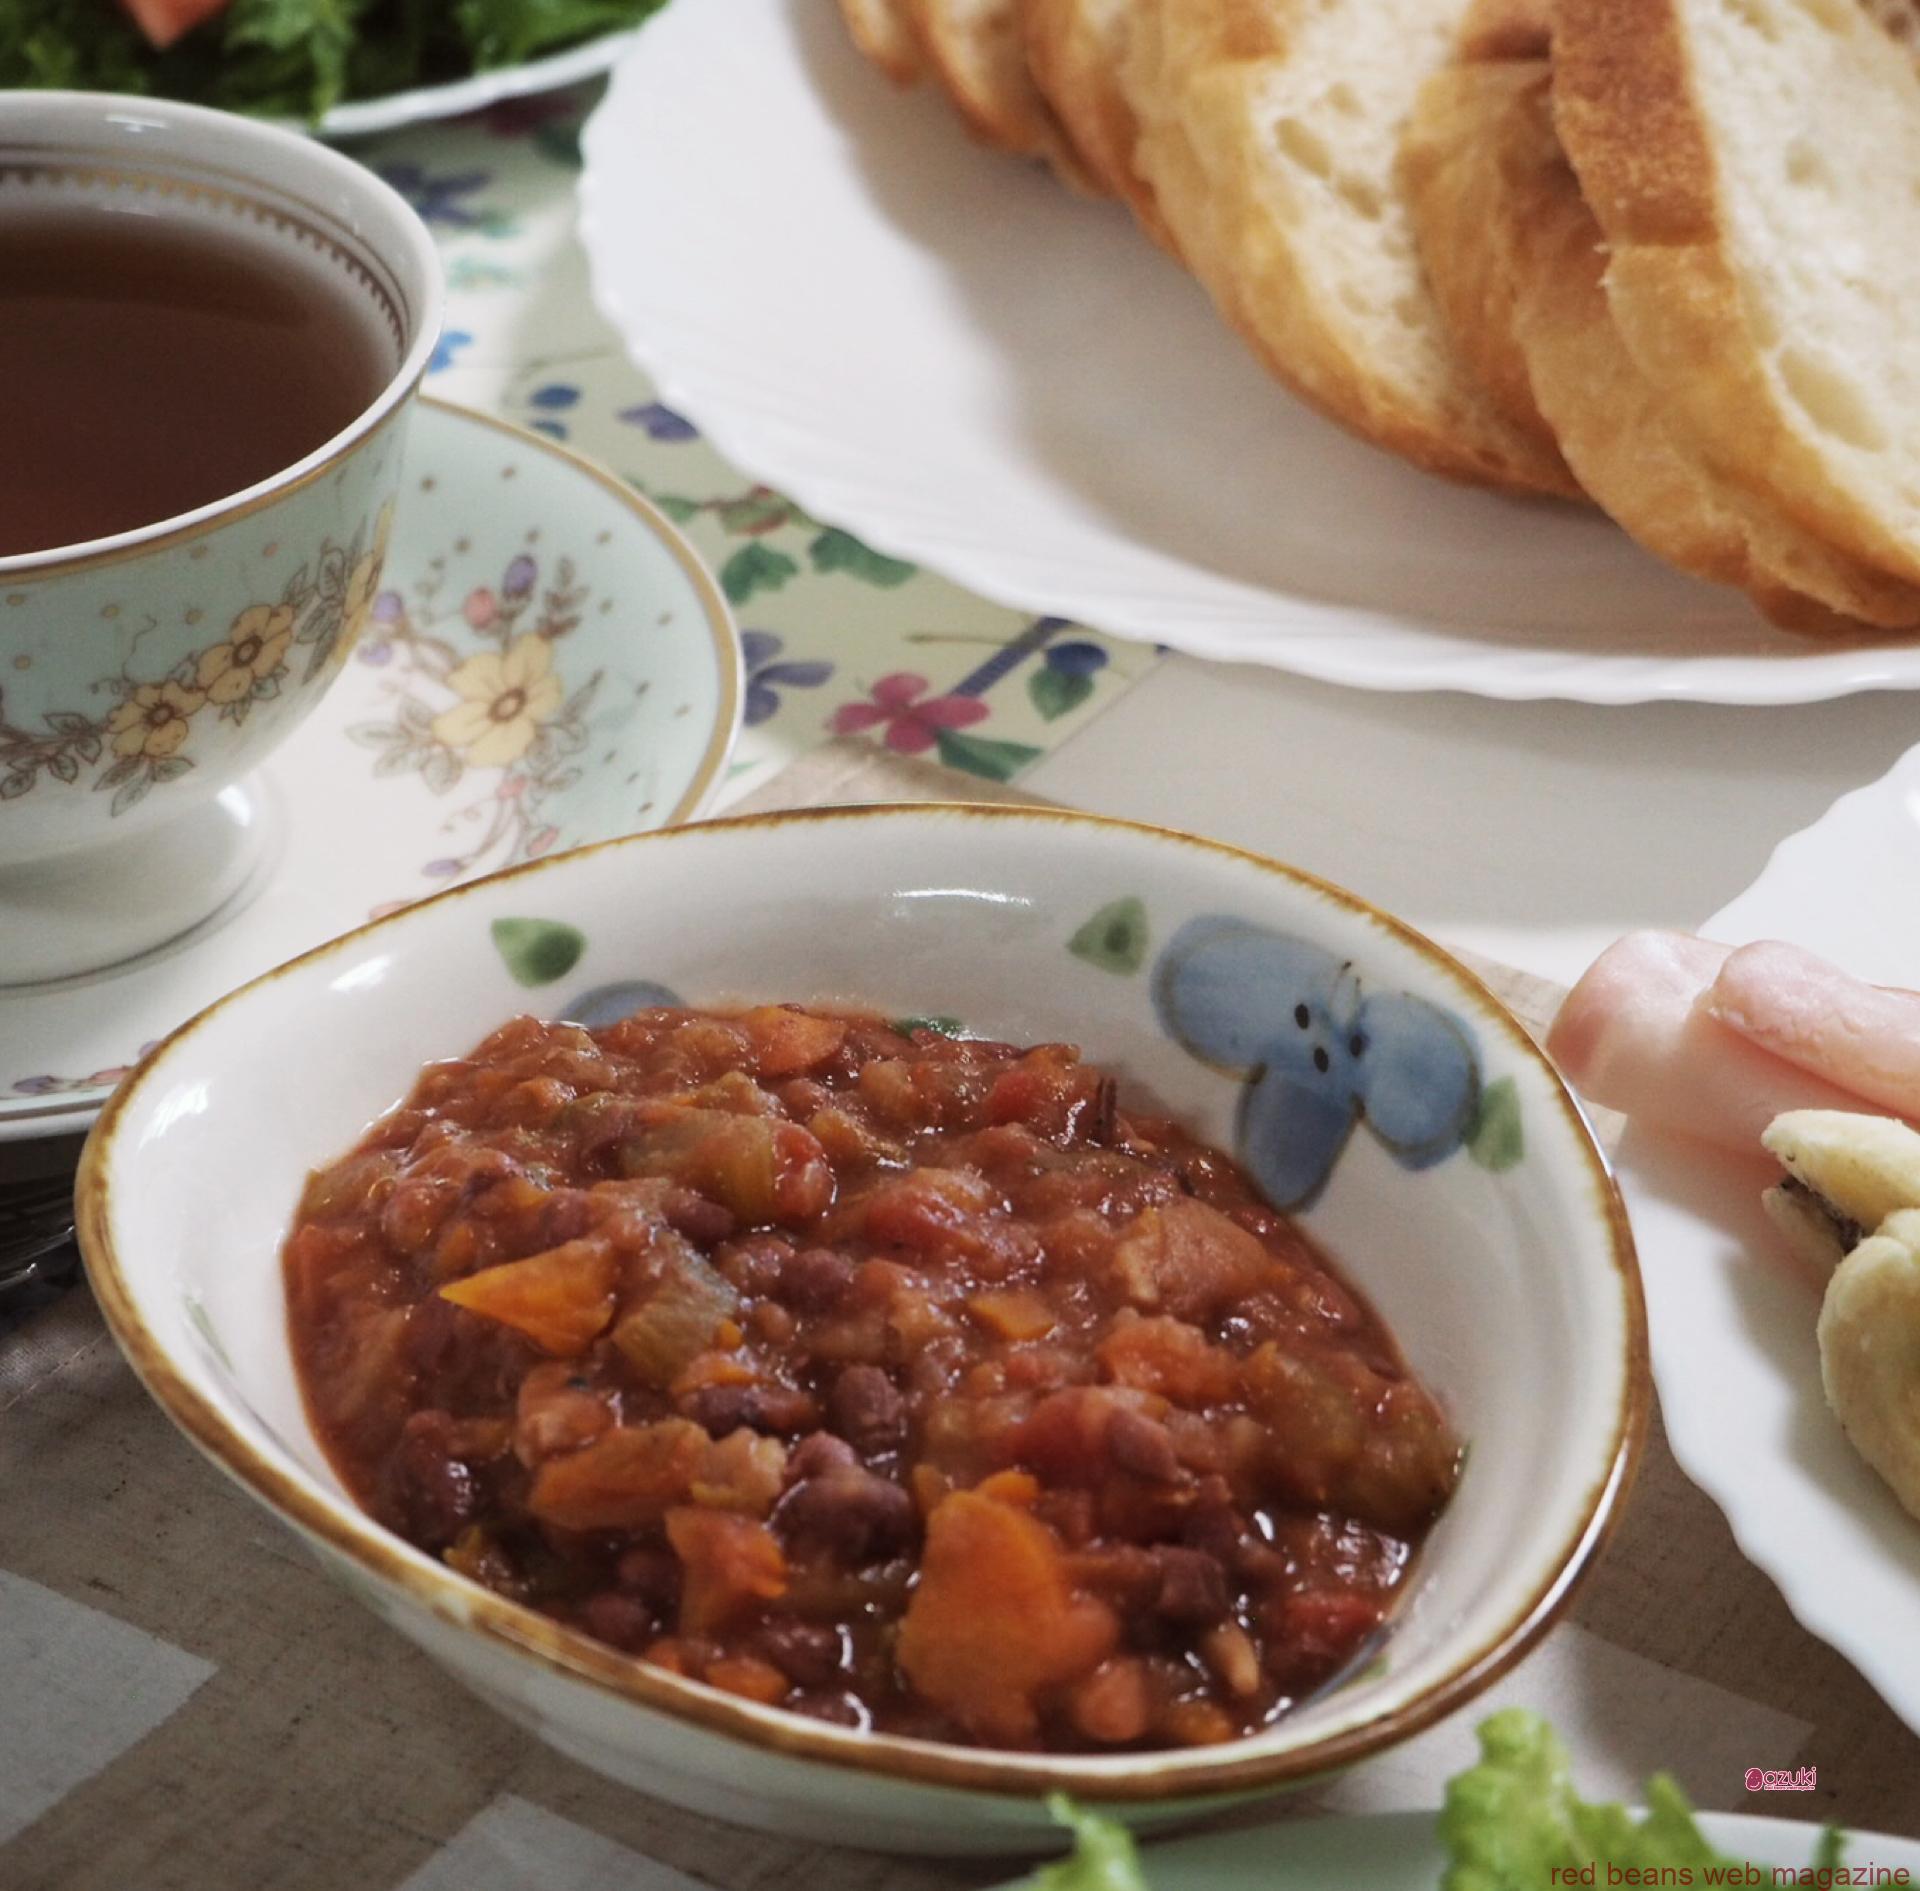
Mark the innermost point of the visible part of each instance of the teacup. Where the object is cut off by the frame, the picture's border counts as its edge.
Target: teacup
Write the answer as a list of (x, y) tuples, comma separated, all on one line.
[(143, 675)]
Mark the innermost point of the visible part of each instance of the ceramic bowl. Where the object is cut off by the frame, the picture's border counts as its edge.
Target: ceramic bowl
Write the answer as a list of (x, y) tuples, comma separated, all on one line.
[(1423, 1138), (145, 673)]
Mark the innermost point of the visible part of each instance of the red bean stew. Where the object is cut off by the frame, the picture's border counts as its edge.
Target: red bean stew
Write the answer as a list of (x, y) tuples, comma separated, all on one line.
[(904, 1381)]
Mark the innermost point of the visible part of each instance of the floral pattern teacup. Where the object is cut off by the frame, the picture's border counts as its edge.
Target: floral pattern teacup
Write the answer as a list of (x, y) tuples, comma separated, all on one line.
[(143, 675)]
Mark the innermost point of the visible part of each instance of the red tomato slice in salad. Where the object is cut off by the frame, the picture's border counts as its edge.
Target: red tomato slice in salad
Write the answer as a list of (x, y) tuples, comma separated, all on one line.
[(163, 21)]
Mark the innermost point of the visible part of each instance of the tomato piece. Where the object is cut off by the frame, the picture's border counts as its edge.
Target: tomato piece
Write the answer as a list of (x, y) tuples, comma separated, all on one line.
[(1321, 1628), (625, 1479), (561, 1300), (996, 1621), (1187, 1260), (1171, 1358), (164, 21), (788, 1043), (731, 1566), (1015, 1313)]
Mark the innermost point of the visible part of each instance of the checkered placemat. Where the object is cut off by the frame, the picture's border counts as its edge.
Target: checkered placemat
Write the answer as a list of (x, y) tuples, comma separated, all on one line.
[(187, 1704)]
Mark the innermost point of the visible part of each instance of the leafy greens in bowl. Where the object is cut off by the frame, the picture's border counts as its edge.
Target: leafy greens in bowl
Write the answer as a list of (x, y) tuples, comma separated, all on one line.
[(293, 58)]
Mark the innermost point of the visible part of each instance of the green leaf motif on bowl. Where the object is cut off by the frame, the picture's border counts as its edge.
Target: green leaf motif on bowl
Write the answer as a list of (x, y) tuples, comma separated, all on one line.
[(1115, 938), (538, 951), (1496, 1140)]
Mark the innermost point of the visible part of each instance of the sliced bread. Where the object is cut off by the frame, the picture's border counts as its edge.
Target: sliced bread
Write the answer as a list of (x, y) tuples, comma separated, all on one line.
[(977, 50), (1530, 225), (1506, 29), (881, 30), (1753, 167), (1451, 169), (1269, 132), (1074, 51)]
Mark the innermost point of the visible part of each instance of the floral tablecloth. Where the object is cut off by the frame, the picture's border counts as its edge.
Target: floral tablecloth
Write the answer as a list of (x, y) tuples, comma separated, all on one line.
[(839, 638)]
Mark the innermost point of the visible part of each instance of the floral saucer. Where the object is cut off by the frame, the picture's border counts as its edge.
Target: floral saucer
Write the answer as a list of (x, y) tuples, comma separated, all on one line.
[(548, 665)]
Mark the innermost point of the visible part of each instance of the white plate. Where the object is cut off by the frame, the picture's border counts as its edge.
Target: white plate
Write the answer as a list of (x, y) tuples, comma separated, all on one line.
[(944, 351), (507, 549), (362, 117), (1401, 1853), (1733, 1326)]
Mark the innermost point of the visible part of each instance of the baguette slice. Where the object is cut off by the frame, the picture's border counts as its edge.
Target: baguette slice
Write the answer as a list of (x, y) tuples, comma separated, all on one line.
[(1269, 133), (882, 32), (1517, 263), (1506, 29), (977, 51), (1455, 173), (1075, 49), (1751, 167)]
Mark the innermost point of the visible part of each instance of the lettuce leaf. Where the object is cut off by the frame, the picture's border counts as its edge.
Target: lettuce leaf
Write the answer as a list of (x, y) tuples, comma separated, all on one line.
[(1103, 1857), (1513, 1820), (1510, 1823), (293, 58)]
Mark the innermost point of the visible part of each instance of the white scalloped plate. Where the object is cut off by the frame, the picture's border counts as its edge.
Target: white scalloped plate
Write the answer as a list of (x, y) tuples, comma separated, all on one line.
[(942, 350), (361, 118), (1733, 1326)]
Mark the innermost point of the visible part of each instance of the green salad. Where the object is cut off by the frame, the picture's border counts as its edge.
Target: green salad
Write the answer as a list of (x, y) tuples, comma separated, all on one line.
[(293, 58), (1511, 1823)]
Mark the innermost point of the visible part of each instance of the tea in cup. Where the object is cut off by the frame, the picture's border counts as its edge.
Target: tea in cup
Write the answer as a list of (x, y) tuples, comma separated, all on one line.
[(212, 332)]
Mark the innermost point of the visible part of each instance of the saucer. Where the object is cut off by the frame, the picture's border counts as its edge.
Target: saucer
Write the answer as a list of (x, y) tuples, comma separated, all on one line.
[(549, 665)]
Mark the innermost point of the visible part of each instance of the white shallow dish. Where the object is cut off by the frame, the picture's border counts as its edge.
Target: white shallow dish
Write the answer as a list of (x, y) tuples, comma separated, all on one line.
[(631, 671), (1504, 1266), (1401, 1852), (361, 118), (970, 367), (1734, 1350)]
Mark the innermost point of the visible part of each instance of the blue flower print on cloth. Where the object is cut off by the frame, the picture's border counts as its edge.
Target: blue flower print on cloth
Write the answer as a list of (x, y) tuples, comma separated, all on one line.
[(1319, 1054)]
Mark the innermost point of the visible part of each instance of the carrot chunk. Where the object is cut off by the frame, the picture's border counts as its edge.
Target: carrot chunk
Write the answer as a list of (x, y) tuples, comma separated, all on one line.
[(624, 1480), (732, 1564), (561, 1300), (748, 1676), (996, 1622)]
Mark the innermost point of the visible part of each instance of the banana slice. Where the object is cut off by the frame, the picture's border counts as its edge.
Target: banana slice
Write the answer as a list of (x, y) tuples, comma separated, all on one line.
[(1870, 1351), (1847, 1174), (1860, 1169)]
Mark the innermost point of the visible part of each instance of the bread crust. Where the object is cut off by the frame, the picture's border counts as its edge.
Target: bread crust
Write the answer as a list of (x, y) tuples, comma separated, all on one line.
[(1495, 30), (1074, 52), (882, 33), (1194, 76), (1629, 117), (1619, 435), (1450, 165), (976, 50)]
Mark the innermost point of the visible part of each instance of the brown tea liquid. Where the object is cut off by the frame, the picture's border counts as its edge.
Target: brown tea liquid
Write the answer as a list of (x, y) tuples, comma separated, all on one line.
[(148, 366)]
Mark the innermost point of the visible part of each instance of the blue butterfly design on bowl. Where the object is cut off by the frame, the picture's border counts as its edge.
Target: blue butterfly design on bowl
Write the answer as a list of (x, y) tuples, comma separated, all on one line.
[(1319, 1054)]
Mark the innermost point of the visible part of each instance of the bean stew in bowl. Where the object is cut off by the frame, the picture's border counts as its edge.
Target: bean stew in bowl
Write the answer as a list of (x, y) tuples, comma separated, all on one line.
[(908, 1382), (854, 1322)]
